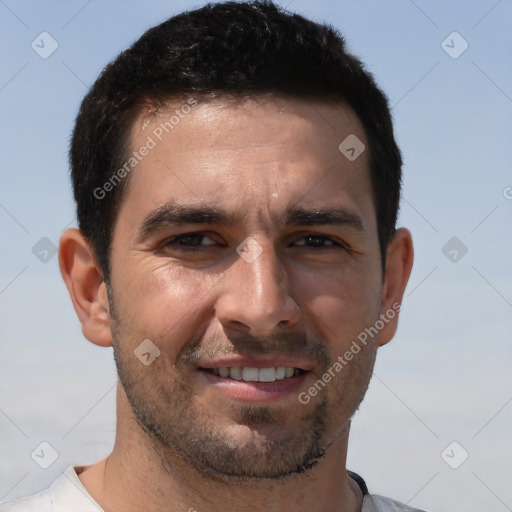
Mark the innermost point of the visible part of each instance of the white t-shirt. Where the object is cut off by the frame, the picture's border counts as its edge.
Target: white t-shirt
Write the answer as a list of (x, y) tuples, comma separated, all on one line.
[(67, 494)]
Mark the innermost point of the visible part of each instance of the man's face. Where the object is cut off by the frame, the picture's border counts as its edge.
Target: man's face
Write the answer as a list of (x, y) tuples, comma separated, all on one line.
[(306, 282)]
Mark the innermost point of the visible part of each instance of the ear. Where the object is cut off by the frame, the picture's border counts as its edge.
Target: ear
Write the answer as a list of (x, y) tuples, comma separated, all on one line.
[(84, 281), (400, 256)]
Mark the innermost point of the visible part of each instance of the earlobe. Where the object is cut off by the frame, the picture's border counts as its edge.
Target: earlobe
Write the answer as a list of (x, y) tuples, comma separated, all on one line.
[(84, 281), (400, 256)]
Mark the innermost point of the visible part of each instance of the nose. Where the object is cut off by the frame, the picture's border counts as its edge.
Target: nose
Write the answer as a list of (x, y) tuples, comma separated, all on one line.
[(256, 296)]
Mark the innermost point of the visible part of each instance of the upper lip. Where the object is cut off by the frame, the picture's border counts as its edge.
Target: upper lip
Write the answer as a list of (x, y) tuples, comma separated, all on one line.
[(257, 361)]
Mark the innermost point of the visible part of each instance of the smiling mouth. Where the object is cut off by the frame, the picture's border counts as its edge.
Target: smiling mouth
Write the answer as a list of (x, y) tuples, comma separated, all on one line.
[(251, 374)]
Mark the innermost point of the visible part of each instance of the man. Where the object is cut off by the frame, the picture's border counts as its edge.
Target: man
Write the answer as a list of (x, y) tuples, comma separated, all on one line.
[(237, 186)]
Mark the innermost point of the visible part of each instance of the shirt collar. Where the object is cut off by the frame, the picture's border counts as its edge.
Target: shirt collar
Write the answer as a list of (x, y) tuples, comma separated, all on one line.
[(68, 493)]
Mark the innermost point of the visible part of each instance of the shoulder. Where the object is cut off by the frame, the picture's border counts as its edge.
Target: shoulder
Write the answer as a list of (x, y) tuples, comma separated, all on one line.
[(41, 502), (65, 494), (374, 503)]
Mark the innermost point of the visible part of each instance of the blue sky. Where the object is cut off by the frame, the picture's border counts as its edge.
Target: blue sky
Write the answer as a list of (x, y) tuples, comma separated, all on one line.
[(446, 376)]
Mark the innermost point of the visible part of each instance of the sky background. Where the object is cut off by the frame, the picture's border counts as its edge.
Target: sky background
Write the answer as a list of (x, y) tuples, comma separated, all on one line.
[(446, 376)]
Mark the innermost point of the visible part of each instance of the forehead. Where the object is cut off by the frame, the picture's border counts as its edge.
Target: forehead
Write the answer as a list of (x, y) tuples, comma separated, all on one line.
[(251, 154)]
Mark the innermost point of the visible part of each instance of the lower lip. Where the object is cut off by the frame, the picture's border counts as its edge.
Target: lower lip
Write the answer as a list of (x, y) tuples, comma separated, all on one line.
[(255, 391)]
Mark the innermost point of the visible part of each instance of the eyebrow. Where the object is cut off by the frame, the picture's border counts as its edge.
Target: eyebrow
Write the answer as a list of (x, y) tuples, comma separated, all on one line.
[(175, 214), (340, 216)]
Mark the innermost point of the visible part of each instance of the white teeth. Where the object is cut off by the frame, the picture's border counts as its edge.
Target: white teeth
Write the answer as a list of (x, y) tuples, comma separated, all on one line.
[(235, 373), (251, 374), (280, 373), (267, 374)]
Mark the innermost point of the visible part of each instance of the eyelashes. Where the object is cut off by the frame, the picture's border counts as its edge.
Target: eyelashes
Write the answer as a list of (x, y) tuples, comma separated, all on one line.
[(198, 241)]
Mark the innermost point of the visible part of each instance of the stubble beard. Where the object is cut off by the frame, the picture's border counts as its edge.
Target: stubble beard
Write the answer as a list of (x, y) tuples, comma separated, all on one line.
[(184, 436)]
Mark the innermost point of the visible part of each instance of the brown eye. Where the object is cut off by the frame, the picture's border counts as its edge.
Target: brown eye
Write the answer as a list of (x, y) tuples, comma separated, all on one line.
[(191, 240), (321, 241)]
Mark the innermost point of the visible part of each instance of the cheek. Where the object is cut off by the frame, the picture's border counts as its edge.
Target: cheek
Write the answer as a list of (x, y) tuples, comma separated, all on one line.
[(340, 305), (164, 304), (341, 320)]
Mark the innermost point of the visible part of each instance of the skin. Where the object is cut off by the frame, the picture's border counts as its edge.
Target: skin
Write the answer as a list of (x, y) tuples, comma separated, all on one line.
[(306, 297)]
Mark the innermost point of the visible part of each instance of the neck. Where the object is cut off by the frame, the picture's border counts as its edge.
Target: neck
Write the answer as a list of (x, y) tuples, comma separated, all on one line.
[(136, 477)]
